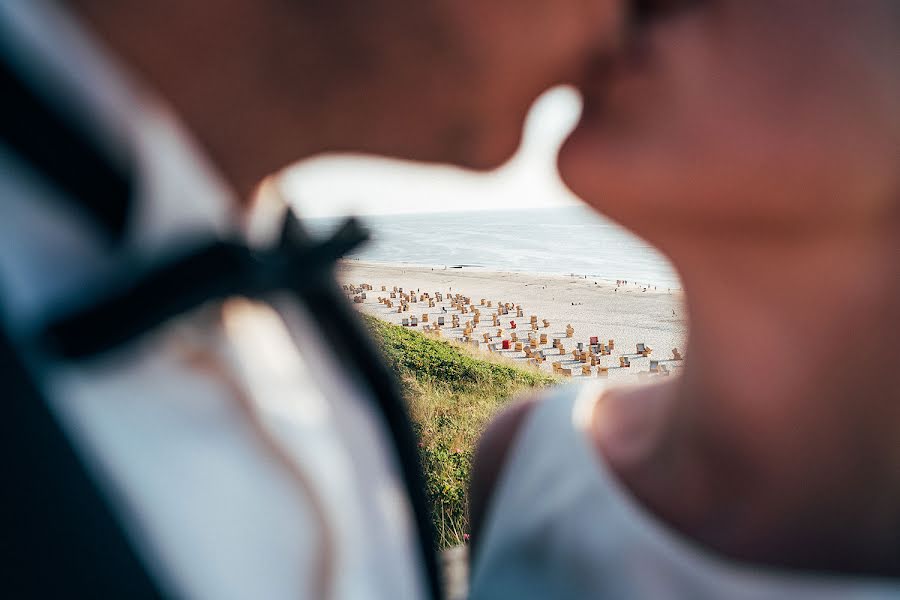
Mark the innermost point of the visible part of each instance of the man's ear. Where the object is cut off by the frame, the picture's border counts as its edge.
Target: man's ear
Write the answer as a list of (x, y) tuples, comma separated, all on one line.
[(490, 459)]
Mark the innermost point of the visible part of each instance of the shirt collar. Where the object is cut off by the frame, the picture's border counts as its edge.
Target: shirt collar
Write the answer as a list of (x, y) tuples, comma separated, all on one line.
[(46, 251)]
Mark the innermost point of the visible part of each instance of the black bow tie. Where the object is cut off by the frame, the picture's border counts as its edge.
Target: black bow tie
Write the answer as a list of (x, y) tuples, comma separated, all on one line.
[(122, 312), (224, 269)]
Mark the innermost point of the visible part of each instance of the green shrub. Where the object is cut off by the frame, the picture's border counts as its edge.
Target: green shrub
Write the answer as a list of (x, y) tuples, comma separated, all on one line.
[(452, 395)]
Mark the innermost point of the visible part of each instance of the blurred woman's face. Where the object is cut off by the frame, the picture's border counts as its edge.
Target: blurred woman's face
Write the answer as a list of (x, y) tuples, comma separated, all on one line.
[(745, 115)]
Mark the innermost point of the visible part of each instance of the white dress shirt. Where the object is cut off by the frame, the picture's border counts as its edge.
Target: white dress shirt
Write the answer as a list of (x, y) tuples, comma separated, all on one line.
[(239, 458)]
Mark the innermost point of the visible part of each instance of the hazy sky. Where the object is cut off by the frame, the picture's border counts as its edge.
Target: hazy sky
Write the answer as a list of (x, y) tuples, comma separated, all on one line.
[(361, 185)]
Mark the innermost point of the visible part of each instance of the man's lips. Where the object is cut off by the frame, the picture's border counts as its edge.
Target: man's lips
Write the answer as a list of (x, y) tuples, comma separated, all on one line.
[(628, 68), (645, 12), (625, 73)]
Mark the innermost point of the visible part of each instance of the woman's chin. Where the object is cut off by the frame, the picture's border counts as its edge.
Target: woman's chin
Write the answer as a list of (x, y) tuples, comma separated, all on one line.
[(584, 166), (572, 161), (619, 180)]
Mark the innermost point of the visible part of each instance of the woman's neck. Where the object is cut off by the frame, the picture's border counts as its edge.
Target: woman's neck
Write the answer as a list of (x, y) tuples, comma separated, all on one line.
[(782, 434)]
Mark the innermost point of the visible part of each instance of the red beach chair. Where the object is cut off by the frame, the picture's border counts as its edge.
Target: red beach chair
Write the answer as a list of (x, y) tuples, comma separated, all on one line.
[(506, 344)]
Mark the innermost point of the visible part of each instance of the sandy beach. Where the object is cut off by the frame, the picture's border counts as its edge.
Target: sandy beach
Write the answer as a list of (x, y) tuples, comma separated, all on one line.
[(629, 313)]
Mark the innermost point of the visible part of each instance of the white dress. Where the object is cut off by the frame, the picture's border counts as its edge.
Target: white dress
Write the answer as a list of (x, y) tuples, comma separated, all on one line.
[(561, 526)]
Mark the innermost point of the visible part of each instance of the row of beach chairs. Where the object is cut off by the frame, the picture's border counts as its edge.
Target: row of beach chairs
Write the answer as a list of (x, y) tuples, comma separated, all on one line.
[(589, 356)]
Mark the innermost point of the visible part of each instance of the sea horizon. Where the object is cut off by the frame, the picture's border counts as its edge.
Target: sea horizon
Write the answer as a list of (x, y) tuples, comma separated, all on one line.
[(569, 241)]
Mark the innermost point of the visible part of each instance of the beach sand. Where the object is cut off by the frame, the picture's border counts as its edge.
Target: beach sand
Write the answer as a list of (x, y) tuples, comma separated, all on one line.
[(629, 314)]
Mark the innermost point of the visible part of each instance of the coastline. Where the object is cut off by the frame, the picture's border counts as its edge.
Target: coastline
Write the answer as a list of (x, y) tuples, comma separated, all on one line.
[(349, 262), (629, 314)]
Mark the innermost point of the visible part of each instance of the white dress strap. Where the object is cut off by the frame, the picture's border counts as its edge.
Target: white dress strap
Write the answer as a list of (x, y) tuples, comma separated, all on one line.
[(561, 525), (530, 520)]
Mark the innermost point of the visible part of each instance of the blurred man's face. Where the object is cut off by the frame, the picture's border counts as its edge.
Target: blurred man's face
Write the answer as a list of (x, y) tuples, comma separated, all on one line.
[(448, 80), (269, 82)]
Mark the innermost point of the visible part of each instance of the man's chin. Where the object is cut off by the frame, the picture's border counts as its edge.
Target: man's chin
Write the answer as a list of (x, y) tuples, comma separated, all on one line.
[(484, 164), (480, 149), (478, 160)]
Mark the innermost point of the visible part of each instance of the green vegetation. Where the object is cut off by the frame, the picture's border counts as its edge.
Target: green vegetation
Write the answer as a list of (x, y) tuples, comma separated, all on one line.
[(452, 394)]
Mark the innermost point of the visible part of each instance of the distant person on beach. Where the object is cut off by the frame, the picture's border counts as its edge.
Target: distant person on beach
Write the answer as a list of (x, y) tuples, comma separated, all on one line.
[(187, 416), (757, 143)]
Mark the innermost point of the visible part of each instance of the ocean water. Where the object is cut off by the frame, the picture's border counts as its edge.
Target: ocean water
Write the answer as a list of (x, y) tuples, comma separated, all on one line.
[(570, 240)]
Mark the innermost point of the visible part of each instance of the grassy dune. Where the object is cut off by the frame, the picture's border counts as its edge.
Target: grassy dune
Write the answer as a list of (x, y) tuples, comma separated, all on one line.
[(452, 394)]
